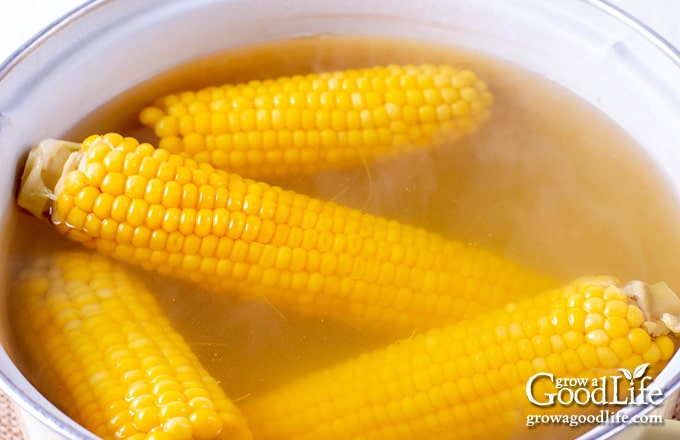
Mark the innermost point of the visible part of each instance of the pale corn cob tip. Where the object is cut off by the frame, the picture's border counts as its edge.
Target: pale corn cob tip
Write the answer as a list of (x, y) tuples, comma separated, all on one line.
[(109, 357), (306, 123), (43, 168), (468, 380), (259, 242)]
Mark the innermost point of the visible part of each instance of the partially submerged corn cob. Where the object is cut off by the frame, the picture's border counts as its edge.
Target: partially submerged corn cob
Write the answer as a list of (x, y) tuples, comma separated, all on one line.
[(468, 381), (301, 124), (110, 358), (172, 215)]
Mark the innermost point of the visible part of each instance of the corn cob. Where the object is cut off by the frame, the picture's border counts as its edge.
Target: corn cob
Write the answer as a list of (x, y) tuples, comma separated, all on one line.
[(189, 220), (301, 124), (111, 359), (468, 380)]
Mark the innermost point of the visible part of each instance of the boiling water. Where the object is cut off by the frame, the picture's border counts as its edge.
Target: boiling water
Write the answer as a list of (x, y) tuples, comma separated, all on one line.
[(548, 182)]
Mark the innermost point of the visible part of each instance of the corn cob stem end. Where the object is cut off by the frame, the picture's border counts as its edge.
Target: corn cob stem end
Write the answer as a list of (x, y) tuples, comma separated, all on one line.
[(660, 305), (44, 166)]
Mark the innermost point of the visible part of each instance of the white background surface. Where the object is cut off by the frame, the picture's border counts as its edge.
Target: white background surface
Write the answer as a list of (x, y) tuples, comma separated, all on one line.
[(21, 19)]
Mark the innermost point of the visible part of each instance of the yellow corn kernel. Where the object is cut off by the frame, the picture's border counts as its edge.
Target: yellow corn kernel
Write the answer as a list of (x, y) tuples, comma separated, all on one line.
[(458, 381), (110, 358), (395, 277), (340, 114)]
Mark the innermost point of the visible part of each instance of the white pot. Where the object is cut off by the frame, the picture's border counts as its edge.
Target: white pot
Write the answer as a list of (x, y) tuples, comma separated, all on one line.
[(108, 46)]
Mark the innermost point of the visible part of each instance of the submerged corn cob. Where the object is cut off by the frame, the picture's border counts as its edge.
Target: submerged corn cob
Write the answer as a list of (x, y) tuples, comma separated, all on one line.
[(172, 215), (468, 381), (301, 124), (110, 358)]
